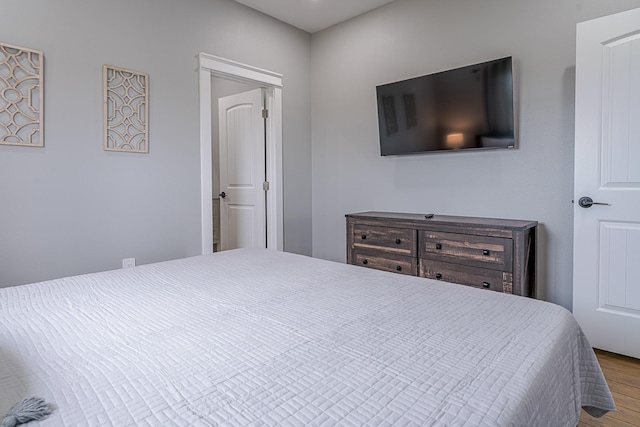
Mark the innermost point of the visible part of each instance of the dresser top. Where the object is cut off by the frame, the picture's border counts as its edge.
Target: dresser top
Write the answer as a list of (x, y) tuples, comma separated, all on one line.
[(420, 220)]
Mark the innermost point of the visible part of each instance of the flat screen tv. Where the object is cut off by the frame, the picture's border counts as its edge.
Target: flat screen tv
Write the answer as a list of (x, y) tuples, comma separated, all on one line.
[(460, 109)]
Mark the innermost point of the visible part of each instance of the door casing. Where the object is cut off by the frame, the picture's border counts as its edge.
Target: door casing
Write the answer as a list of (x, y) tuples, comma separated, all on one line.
[(210, 65)]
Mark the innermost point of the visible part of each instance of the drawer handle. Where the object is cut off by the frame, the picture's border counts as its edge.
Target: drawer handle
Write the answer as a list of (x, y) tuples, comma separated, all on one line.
[(398, 241), (486, 252), (486, 285), (438, 246), (438, 276), (364, 237), (399, 268), (365, 262)]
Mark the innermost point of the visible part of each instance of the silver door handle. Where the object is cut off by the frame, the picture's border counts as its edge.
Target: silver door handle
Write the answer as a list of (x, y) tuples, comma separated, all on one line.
[(587, 202)]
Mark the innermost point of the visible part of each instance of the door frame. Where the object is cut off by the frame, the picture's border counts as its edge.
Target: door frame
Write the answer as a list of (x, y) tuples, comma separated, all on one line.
[(208, 66)]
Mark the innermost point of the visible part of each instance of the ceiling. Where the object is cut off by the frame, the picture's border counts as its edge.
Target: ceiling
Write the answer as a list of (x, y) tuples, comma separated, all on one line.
[(313, 15)]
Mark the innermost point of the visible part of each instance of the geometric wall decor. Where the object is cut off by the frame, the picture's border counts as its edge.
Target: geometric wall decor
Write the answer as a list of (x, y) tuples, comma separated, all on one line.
[(125, 110), (21, 96)]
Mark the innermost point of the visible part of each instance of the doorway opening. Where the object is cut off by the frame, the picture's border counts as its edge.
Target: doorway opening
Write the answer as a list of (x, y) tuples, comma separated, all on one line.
[(271, 82)]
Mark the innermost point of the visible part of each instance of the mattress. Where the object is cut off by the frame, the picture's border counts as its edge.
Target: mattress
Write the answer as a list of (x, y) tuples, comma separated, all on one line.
[(259, 337)]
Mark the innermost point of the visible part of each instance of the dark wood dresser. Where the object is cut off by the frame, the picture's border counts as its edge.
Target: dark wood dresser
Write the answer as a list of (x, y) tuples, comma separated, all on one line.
[(495, 254)]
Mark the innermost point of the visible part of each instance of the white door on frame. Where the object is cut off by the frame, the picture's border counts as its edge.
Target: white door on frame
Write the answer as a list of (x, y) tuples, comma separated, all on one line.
[(242, 171), (606, 273)]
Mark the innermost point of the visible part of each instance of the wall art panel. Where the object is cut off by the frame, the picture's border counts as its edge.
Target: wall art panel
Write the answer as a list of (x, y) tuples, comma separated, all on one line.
[(21, 96), (126, 110)]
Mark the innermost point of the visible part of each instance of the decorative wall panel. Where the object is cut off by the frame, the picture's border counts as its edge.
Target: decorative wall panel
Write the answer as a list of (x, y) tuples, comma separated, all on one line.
[(126, 110), (21, 96)]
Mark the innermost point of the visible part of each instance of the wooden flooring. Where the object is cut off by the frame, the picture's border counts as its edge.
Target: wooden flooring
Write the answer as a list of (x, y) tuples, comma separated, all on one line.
[(623, 377)]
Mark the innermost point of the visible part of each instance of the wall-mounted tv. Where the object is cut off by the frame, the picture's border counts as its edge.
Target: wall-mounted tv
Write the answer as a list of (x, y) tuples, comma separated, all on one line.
[(460, 109)]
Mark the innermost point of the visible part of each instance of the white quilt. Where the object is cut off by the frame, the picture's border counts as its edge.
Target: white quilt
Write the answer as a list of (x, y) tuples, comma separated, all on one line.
[(257, 337)]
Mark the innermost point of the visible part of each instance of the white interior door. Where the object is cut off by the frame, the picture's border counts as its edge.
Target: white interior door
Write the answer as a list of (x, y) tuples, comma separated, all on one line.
[(242, 171), (606, 289)]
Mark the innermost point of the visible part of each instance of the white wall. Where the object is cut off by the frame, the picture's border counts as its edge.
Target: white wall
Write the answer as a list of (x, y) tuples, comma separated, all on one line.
[(71, 207), (408, 38)]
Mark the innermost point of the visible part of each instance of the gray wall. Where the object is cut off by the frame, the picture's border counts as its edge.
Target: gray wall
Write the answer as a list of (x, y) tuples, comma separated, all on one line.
[(408, 38), (71, 207)]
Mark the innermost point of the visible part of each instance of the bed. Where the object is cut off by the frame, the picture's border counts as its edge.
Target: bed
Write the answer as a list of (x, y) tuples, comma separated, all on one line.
[(258, 337)]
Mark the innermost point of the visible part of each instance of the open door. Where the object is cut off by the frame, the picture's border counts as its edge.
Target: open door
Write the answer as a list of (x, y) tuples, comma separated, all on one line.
[(242, 171), (606, 273)]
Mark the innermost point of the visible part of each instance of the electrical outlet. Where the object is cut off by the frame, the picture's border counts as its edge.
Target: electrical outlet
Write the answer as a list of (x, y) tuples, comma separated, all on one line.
[(128, 262)]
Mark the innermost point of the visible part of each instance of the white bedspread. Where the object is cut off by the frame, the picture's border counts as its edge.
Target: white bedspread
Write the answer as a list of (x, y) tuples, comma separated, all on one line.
[(256, 337)]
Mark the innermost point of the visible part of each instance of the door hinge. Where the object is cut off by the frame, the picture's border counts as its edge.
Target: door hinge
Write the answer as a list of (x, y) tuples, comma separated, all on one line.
[(265, 186), (265, 114)]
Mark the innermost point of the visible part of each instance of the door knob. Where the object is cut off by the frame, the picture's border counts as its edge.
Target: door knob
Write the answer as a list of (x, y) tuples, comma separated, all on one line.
[(587, 202), (223, 194)]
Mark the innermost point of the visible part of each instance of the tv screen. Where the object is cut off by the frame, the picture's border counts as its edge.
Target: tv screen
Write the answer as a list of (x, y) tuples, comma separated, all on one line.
[(460, 109)]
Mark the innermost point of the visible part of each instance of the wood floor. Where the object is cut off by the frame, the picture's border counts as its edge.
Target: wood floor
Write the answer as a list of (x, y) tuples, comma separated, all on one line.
[(623, 377)]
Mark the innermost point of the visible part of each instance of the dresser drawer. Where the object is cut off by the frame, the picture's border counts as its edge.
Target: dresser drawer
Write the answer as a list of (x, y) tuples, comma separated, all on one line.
[(472, 276), (495, 253), (400, 241), (387, 262), (490, 253)]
